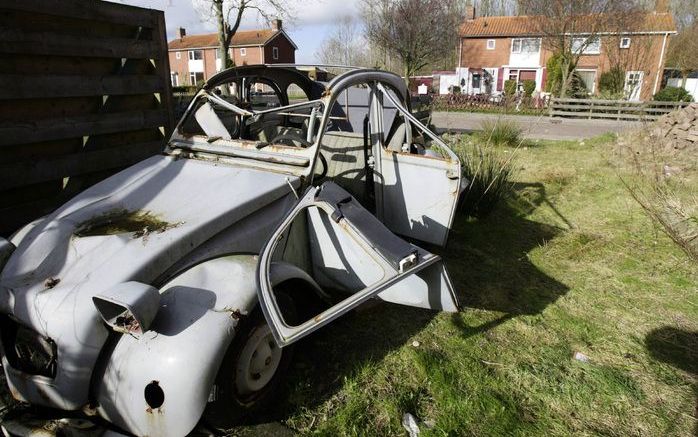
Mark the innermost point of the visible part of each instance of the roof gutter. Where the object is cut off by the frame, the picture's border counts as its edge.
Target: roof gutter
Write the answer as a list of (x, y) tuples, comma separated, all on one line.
[(536, 35)]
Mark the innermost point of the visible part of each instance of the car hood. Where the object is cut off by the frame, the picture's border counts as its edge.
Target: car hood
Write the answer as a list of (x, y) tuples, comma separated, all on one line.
[(130, 227), (136, 224)]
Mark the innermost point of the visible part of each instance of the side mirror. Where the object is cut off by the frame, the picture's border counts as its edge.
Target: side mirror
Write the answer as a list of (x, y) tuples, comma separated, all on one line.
[(129, 307), (6, 249)]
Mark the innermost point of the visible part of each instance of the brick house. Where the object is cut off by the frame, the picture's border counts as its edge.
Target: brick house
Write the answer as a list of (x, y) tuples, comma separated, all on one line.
[(194, 58), (495, 49)]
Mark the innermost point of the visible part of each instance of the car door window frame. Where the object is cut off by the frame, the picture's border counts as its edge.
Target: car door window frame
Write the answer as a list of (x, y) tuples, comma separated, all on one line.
[(285, 334)]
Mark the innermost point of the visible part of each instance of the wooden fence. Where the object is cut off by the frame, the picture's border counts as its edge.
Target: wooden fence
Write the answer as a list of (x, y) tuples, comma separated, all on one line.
[(612, 109), (84, 92)]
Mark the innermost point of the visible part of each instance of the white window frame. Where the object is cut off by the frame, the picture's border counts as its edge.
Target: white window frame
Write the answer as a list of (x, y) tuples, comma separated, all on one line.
[(178, 55), (275, 53), (491, 44), (625, 42), (584, 47), (174, 78), (243, 51), (522, 42), (192, 57)]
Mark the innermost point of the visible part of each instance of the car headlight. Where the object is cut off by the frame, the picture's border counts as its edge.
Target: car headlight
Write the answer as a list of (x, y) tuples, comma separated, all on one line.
[(27, 350)]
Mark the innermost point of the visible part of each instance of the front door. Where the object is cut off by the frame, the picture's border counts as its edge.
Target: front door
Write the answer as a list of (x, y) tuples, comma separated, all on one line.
[(633, 84), (350, 256)]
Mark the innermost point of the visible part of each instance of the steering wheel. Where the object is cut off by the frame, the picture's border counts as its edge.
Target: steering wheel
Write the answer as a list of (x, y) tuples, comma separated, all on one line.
[(291, 140)]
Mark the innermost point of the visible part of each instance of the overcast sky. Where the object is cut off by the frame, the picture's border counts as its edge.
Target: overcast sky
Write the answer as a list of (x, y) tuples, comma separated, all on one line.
[(313, 20)]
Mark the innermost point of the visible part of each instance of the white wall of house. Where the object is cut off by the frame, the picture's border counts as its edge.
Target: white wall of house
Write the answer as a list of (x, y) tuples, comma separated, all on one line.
[(691, 86), (196, 66), (448, 80)]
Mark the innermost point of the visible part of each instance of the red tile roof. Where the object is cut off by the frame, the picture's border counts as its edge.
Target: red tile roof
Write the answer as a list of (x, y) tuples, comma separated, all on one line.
[(242, 38), (526, 25)]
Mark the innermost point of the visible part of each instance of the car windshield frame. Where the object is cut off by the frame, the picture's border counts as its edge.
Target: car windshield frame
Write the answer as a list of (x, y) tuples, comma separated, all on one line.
[(286, 158)]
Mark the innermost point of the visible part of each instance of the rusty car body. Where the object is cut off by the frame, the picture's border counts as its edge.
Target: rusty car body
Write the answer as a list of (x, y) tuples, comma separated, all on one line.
[(174, 289)]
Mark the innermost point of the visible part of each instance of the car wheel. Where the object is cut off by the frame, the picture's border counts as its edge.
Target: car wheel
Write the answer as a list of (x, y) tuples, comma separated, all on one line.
[(252, 369)]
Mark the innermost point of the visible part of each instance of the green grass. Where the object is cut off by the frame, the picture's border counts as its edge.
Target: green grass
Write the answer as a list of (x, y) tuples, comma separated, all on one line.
[(570, 264)]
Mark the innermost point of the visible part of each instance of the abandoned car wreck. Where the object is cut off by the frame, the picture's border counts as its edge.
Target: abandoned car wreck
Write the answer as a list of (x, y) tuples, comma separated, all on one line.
[(258, 224)]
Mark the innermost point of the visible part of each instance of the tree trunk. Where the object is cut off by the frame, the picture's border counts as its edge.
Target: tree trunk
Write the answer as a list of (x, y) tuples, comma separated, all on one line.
[(223, 44)]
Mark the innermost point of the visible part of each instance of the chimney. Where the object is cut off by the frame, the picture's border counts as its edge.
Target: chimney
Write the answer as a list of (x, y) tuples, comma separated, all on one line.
[(181, 32), (276, 25), (469, 11), (661, 6)]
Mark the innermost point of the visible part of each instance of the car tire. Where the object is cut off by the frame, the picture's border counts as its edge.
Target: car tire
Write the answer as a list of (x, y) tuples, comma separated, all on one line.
[(252, 368)]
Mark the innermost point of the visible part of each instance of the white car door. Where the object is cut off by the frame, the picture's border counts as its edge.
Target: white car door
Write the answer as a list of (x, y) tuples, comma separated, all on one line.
[(416, 193), (349, 253)]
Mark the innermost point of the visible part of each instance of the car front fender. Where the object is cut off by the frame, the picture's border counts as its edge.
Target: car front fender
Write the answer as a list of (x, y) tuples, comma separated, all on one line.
[(158, 383)]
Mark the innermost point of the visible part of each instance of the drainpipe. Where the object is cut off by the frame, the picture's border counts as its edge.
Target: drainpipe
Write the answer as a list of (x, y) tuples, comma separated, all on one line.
[(659, 66)]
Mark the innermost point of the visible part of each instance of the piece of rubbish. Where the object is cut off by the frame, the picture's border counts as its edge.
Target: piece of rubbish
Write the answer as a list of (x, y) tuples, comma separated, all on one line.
[(581, 357), (409, 422), (415, 343)]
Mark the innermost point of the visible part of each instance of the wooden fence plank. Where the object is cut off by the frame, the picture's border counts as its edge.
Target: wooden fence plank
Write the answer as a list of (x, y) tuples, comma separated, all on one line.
[(30, 172), (97, 11), (69, 127), (56, 44), (17, 86), (612, 116), (612, 109)]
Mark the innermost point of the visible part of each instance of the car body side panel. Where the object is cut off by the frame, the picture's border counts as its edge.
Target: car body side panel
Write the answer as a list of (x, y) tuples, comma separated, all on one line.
[(182, 352)]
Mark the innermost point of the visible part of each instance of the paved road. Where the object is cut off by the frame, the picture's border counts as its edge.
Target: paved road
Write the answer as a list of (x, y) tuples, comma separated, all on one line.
[(535, 127)]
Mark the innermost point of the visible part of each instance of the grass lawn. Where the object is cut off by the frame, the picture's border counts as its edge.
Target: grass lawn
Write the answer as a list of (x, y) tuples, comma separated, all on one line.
[(571, 264)]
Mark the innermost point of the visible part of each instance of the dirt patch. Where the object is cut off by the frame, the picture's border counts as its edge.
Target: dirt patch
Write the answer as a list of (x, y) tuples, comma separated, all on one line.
[(121, 221)]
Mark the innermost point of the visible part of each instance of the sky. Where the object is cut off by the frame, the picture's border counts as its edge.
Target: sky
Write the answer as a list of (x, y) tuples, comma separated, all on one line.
[(312, 21)]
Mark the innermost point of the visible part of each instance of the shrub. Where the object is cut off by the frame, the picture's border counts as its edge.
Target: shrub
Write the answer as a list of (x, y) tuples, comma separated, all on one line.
[(577, 89), (500, 133), (509, 87), (554, 80), (673, 94), (612, 82), (489, 173), (529, 86), (455, 89)]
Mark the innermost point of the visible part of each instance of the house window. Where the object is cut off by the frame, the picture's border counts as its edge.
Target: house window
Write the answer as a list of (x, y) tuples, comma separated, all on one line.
[(218, 53), (275, 53), (243, 52), (174, 78), (196, 55), (525, 45), (625, 43), (491, 44), (195, 78), (589, 79), (587, 46), (178, 55)]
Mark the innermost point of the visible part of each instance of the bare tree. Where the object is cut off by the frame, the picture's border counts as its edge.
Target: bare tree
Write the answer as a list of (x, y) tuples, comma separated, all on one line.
[(572, 27), (683, 52), (345, 45), (489, 8), (418, 32), (227, 14)]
